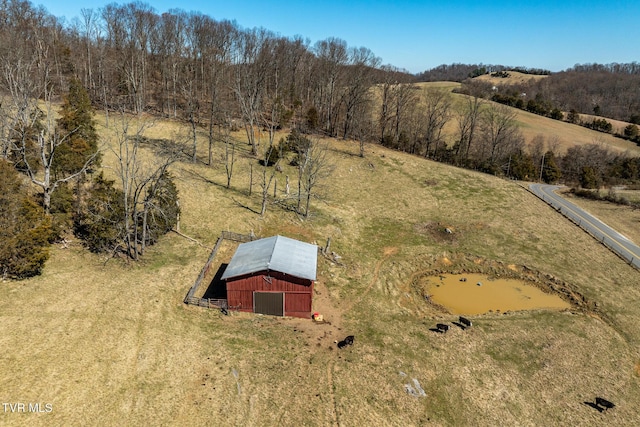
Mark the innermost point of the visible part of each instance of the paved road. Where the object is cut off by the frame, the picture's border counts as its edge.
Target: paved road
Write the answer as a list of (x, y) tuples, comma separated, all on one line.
[(601, 231)]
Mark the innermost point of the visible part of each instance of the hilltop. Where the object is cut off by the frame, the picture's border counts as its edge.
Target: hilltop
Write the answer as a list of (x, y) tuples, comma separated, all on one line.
[(510, 77)]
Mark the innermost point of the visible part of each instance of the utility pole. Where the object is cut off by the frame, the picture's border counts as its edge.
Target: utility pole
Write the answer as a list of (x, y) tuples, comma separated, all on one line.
[(542, 167)]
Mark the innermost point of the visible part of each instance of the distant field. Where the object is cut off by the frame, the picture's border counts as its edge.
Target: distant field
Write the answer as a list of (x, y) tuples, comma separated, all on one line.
[(514, 77), (532, 125), (569, 134), (617, 125), (439, 85), (107, 342)]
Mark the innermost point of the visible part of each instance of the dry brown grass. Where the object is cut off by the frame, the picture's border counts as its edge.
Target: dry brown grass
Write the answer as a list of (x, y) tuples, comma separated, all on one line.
[(531, 125), (515, 77), (112, 344), (569, 135), (624, 219), (617, 125)]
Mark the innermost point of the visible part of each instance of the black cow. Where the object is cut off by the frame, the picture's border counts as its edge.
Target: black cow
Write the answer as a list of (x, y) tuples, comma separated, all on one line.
[(604, 403), (347, 341), (466, 322), (442, 327)]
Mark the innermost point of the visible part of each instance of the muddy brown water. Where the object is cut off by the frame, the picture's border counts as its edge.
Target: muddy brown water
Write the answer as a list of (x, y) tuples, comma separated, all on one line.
[(478, 294)]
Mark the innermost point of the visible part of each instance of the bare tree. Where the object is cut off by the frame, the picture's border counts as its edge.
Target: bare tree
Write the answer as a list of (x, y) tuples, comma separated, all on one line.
[(398, 98), (49, 141), (139, 178), (229, 153), (271, 152), (436, 107), (499, 131), (6, 129), (29, 118), (537, 150), (267, 176), (191, 106), (18, 108), (386, 99), (467, 119), (356, 92), (251, 66), (313, 169), (580, 158), (405, 101), (222, 35), (332, 57), (89, 18)]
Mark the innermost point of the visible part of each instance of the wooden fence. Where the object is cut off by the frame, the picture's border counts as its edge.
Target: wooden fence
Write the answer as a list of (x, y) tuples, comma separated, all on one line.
[(207, 302), (191, 299)]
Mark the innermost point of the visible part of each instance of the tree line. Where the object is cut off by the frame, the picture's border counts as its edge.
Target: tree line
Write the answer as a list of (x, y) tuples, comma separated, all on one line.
[(607, 90), (190, 66), (215, 76)]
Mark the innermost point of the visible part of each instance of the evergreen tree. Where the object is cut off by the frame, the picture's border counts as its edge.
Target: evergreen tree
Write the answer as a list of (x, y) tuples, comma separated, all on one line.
[(99, 220), (573, 116), (24, 229), (589, 178), (161, 208), (550, 170), (631, 131), (522, 166), (76, 121)]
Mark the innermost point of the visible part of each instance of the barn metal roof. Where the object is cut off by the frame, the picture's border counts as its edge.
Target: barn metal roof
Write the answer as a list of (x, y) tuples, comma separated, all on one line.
[(277, 253)]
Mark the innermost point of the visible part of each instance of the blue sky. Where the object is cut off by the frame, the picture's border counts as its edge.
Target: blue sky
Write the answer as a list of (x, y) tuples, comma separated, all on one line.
[(418, 35)]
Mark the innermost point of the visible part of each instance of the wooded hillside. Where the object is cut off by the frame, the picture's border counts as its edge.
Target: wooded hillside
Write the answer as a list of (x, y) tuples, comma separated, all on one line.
[(133, 65)]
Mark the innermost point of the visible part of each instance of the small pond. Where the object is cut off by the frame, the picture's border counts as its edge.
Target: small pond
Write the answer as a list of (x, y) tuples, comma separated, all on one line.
[(478, 294)]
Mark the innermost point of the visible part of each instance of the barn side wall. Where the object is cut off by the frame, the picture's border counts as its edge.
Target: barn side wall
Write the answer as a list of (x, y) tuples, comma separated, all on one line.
[(298, 292)]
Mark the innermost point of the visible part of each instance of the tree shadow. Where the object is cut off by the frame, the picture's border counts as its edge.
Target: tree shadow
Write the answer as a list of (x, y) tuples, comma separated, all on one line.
[(249, 208), (344, 152), (460, 325), (217, 288)]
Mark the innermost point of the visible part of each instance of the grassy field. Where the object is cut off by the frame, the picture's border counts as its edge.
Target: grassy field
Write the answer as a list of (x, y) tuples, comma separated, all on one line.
[(531, 125), (514, 77), (111, 343)]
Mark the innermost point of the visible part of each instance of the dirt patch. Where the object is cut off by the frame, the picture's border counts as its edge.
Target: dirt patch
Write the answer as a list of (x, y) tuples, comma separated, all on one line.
[(446, 261), (637, 369), (439, 232), (390, 250)]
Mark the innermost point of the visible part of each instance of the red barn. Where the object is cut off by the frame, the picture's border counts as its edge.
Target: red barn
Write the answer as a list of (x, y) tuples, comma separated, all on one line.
[(272, 276)]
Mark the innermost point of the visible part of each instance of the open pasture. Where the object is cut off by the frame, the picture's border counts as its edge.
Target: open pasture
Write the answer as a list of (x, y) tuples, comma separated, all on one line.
[(107, 342)]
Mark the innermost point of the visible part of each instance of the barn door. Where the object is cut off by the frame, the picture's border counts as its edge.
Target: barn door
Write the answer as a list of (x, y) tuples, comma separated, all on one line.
[(271, 303)]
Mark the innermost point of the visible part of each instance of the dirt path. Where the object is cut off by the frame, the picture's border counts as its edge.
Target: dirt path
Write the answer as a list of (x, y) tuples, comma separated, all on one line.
[(333, 405), (387, 252)]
